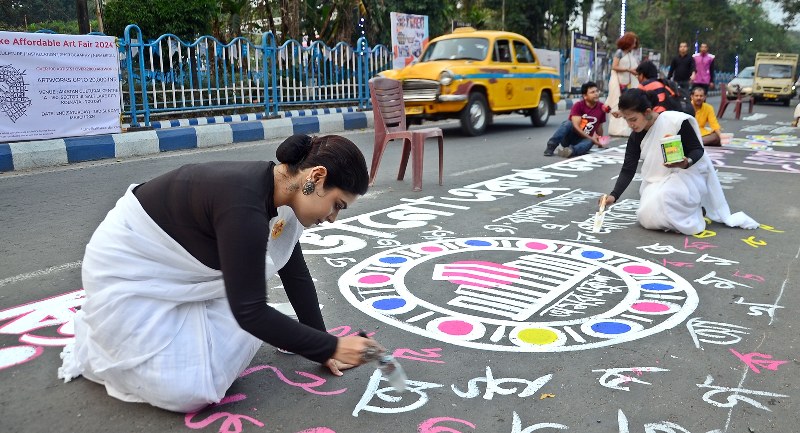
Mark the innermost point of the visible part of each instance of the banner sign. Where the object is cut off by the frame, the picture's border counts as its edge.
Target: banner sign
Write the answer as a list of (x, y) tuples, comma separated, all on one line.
[(54, 85), (582, 63), (409, 37)]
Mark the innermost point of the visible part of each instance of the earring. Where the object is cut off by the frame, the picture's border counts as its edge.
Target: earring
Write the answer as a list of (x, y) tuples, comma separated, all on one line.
[(308, 187)]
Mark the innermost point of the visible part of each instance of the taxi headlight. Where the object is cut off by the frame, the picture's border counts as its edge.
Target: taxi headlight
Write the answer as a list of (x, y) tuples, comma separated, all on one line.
[(445, 78)]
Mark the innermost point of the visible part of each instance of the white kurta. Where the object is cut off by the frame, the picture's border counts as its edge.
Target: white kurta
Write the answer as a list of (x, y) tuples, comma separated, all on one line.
[(671, 198), (156, 326)]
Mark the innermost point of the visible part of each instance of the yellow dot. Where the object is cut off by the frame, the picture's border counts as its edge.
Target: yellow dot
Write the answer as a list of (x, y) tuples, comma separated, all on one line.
[(537, 336)]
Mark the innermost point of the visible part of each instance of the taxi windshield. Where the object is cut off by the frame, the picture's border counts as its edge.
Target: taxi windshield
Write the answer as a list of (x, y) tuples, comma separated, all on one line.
[(457, 49)]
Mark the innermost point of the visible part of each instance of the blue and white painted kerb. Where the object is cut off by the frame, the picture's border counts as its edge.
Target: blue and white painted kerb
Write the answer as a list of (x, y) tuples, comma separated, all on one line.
[(249, 117), (46, 153)]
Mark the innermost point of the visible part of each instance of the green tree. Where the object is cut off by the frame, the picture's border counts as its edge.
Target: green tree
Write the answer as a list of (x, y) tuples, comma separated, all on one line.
[(187, 19)]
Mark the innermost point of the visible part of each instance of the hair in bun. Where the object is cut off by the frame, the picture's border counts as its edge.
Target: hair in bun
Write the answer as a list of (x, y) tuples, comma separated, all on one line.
[(347, 168), (294, 149)]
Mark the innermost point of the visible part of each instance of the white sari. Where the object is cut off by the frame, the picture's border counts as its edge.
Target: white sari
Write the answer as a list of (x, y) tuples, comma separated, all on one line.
[(671, 198), (617, 125), (156, 326)]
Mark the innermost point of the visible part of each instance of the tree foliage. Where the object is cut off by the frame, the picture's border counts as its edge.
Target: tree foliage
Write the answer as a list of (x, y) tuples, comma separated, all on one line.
[(187, 19), (730, 27)]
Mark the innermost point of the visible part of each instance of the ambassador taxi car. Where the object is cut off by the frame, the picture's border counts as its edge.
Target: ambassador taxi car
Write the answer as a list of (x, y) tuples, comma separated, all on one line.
[(474, 75)]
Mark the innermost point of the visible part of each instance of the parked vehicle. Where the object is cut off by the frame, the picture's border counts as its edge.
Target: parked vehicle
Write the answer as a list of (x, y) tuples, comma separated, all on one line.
[(741, 83), (774, 78), (474, 75)]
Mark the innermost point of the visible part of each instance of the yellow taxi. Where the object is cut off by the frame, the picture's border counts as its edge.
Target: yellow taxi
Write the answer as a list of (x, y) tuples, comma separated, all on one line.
[(474, 75)]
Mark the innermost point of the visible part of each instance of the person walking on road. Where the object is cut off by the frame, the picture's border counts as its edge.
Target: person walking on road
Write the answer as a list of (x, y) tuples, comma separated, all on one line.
[(675, 196), (706, 119), (704, 68), (175, 275), (584, 128), (681, 70)]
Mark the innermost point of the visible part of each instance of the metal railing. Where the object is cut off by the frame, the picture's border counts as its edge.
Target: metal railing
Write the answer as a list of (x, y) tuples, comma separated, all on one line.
[(168, 75)]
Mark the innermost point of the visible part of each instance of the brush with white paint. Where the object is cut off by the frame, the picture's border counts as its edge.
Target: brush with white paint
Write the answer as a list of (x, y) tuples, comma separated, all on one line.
[(600, 215), (389, 367)]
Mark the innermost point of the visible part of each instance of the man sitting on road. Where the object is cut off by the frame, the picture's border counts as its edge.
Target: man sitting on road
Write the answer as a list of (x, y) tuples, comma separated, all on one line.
[(584, 127), (706, 119)]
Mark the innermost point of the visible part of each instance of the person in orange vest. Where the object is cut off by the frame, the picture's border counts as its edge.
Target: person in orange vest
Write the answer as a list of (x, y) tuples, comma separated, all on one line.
[(647, 73)]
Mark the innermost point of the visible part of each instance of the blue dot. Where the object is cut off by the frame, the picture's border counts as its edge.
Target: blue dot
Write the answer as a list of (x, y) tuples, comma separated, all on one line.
[(611, 328), (656, 286), (393, 259), (592, 254), (389, 304), (476, 243)]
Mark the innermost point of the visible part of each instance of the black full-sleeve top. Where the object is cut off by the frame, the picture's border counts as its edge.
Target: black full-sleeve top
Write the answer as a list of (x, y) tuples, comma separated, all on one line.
[(692, 148), (219, 212)]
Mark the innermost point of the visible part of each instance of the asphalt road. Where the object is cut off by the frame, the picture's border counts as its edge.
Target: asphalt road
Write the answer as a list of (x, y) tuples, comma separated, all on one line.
[(642, 331)]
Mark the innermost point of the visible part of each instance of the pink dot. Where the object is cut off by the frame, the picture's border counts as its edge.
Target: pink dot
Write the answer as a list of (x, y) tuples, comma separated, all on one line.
[(635, 269), (455, 327), (536, 246), (374, 279), (431, 249), (650, 307)]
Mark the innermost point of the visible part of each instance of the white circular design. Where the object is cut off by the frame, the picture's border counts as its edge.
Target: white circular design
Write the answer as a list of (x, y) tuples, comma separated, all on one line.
[(519, 294)]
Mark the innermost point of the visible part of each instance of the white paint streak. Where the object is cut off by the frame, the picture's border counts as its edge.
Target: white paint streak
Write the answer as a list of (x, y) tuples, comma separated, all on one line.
[(475, 170), (39, 273), (783, 286)]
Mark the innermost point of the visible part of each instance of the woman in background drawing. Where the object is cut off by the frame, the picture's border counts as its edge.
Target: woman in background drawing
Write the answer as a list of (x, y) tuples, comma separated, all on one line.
[(674, 196), (175, 276)]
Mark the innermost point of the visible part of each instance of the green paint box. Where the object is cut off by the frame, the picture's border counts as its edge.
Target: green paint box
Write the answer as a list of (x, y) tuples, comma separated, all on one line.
[(672, 149)]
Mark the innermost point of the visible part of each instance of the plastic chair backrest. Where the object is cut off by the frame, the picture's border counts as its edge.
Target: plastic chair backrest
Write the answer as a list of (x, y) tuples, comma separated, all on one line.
[(387, 101)]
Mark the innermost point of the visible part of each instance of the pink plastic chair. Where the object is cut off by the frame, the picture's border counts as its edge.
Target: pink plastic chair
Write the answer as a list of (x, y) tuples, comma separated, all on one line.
[(390, 124), (737, 108)]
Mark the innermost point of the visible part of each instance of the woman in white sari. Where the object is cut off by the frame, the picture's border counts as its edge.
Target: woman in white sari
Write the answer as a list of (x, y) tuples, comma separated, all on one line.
[(175, 275), (674, 196), (623, 77)]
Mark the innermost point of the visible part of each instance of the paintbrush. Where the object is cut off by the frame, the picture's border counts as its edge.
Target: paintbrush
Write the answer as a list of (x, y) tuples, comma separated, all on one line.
[(600, 215), (391, 369)]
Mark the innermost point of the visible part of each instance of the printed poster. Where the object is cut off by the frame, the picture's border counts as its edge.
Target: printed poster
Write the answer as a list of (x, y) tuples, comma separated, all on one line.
[(582, 61), (54, 85), (409, 37)]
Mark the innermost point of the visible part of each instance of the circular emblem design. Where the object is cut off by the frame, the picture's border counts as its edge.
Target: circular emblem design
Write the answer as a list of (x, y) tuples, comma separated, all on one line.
[(519, 294)]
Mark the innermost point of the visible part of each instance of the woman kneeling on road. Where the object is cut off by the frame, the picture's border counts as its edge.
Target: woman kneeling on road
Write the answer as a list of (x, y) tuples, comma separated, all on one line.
[(175, 276), (674, 196)]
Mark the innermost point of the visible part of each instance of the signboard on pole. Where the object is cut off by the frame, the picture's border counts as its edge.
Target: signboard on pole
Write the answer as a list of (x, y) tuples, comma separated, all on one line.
[(582, 61), (409, 37), (54, 85)]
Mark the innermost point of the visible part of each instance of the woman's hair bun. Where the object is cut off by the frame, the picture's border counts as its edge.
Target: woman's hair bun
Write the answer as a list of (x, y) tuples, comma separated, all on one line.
[(294, 149)]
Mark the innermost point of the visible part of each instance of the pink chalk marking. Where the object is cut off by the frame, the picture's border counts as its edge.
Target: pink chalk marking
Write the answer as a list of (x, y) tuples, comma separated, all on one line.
[(423, 356), (536, 246), (431, 249), (373, 279), (699, 245), (455, 327), (636, 269), (650, 307), (232, 422), (752, 360), (346, 331), (758, 278), (308, 386), (430, 425), (317, 430)]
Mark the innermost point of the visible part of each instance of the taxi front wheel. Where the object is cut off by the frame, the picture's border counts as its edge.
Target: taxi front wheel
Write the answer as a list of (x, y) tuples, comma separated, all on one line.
[(541, 114), (475, 117)]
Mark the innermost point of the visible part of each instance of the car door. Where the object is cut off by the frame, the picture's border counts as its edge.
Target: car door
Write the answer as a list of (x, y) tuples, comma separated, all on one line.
[(501, 82), (527, 91)]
